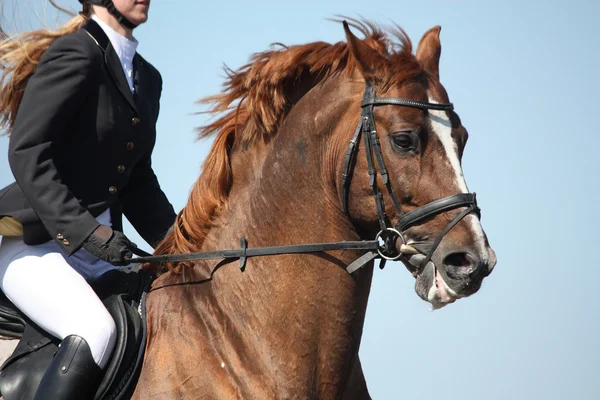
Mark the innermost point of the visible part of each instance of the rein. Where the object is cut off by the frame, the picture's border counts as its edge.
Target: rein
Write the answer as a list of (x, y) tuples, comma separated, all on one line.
[(244, 252), (384, 244)]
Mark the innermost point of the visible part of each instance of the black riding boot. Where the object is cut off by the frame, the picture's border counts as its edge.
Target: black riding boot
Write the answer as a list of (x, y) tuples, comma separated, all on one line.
[(72, 374)]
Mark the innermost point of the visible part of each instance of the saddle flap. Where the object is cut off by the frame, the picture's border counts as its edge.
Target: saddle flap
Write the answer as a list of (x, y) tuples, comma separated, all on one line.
[(129, 337), (122, 293)]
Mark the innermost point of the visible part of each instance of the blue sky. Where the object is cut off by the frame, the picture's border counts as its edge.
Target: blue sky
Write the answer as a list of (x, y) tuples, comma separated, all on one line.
[(523, 78)]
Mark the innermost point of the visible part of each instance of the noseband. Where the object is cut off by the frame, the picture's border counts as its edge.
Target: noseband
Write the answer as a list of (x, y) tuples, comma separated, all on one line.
[(384, 245), (387, 234)]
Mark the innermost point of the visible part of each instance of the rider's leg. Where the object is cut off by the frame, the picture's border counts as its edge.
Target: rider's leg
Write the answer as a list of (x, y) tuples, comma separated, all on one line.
[(42, 284)]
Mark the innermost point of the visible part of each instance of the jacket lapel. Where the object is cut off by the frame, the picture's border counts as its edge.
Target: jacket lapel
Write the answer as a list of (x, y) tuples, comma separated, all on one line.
[(117, 74), (138, 76), (111, 59)]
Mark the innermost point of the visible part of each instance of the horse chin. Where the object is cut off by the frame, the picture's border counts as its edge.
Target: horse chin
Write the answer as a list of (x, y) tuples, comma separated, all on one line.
[(433, 288)]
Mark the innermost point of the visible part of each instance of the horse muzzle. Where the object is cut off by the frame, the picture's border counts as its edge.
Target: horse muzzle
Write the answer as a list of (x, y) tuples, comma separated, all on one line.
[(451, 274)]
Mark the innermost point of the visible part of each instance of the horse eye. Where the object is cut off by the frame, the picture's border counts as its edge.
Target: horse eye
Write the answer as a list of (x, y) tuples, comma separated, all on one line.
[(403, 141)]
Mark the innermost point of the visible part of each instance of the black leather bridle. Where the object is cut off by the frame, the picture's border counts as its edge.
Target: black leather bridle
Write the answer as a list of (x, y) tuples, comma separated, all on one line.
[(390, 235), (385, 244)]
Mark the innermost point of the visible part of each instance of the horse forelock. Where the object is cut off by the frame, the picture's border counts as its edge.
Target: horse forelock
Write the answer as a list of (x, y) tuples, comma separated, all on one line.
[(254, 102)]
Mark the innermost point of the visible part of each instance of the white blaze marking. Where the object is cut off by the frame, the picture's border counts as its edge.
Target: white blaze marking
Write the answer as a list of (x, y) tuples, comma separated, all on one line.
[(442, 127)]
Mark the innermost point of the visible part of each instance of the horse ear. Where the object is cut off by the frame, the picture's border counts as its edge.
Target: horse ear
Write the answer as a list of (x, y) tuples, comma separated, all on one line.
[(429, 51), (370, 62)]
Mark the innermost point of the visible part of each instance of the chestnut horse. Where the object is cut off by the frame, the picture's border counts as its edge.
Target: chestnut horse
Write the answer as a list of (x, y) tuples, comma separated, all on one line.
[(290, 326)]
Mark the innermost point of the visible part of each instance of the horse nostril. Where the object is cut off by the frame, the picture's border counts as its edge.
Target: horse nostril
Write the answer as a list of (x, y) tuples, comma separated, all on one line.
[(464, 265), (458, 260)]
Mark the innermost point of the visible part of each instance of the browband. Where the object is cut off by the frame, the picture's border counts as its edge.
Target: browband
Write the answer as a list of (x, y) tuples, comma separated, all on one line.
[(398, 101)]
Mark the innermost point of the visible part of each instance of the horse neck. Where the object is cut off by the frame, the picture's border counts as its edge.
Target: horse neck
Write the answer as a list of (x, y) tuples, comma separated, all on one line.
[(284, 193), (285, 190)]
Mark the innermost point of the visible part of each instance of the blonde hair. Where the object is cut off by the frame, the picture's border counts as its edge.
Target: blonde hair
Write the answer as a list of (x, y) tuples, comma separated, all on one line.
[(19, 57)]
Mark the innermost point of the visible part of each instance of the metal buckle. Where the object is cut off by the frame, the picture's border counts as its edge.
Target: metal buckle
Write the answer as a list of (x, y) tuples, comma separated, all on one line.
[(386, 235)]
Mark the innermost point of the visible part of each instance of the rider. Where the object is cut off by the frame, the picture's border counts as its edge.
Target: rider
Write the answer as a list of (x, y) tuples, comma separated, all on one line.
[(82, 134)]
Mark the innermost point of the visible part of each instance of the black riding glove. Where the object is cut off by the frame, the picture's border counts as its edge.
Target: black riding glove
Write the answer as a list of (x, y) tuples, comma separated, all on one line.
[(110, 245)]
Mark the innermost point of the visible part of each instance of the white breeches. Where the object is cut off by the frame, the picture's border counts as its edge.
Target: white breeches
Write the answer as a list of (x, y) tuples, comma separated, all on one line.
[(51, 289)]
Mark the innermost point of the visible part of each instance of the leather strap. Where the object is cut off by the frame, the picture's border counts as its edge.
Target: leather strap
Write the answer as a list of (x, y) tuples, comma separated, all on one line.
[(349, 166), (243, 253), (398, 101), (369, 135), (110, 6), (362, 261), (438, 240), (430, 210)]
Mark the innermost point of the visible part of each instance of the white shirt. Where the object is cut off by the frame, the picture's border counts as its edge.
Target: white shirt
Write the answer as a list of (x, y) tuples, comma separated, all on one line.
[(125, 48)]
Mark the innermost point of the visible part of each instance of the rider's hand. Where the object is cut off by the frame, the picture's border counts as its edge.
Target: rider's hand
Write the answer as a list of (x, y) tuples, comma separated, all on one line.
[(109, 245)]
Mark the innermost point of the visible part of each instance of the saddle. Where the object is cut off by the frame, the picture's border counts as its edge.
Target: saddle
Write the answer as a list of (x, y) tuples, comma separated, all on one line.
[(124, 295)]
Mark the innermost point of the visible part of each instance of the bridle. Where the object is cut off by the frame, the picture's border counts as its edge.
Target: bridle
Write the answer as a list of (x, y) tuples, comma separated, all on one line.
[(384, 245), (390, 235)]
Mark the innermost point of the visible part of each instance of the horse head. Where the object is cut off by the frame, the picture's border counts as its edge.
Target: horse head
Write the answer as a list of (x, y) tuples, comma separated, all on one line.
[(421, 148)]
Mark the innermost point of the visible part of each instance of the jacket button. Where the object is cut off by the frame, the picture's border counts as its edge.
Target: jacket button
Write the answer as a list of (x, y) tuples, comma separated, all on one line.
[(121, 169), (135, 121), (112, 190), (60, 236), (65, 242), (130, 145)]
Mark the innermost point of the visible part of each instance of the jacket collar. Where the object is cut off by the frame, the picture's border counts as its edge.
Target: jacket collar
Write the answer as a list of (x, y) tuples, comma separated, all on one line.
[(125, 47), (111, 59)]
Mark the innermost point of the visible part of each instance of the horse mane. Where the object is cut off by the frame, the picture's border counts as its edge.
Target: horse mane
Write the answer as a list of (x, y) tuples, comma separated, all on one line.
[(255, 100)]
